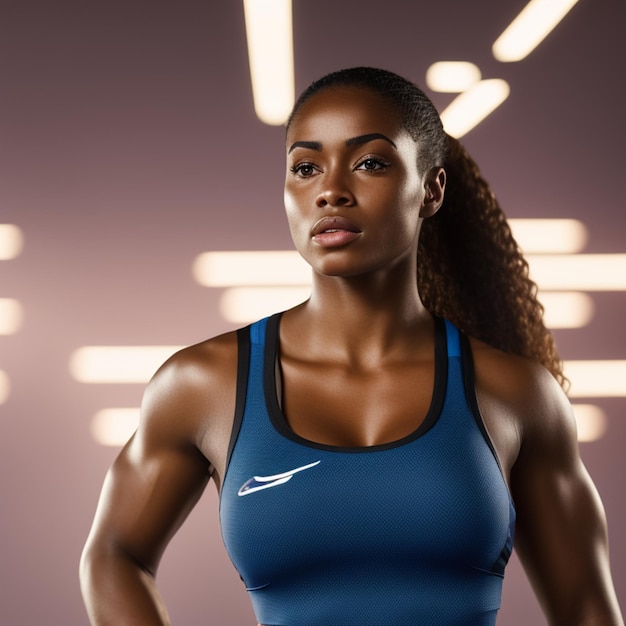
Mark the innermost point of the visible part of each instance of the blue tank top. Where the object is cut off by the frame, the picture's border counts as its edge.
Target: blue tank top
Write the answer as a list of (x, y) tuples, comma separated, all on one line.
[(413, 532)]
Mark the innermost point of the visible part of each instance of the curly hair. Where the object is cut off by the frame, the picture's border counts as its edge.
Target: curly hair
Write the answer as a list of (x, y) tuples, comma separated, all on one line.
[(470, 268)]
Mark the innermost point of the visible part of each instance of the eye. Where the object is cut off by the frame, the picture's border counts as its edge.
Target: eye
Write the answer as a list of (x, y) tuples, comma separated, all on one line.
[(371, 164), (304, 170)]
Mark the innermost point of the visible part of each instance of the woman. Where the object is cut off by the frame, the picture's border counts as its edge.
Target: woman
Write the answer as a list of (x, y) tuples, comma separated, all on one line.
[(374, 462)]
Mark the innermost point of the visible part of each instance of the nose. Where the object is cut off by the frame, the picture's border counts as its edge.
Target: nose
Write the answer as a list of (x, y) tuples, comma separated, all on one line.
[(334, 192)]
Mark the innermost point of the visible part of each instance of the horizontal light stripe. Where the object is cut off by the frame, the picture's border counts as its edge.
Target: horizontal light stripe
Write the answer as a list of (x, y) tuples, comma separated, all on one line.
[(5, 387), (563, 272), (566, 309), (579, 272), (11, 316), (114, 427), (545, 236), (11, 242), (242, 305), (536, 20), (250, 268), (118, 364), (452, 76), (269, 33), (596, 379), (471, 107), (591, 422)]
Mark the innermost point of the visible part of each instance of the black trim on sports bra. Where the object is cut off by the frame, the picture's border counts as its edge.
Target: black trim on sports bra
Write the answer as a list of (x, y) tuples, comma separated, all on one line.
[(469, 382), (272, 348), (243, 368)]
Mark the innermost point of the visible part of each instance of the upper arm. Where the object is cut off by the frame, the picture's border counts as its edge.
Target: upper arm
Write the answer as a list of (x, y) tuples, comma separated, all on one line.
[(161, 472), (561, 531)]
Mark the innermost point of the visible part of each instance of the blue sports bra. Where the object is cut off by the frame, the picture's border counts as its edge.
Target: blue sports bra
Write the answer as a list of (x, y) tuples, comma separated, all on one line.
[(413, 532)]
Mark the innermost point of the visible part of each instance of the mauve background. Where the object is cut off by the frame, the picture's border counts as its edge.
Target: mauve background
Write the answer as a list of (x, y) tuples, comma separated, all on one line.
[(128, 145)]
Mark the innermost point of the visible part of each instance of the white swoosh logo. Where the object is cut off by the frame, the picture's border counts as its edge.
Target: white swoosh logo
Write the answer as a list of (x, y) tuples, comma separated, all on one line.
[(265, 482)]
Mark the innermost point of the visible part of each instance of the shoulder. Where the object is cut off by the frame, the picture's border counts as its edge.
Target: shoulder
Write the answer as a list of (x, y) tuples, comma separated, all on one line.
[(522, 402), (190, 401)]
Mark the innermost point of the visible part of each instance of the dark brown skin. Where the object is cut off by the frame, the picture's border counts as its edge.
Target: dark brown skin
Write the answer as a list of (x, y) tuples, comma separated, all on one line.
[(348, 356)]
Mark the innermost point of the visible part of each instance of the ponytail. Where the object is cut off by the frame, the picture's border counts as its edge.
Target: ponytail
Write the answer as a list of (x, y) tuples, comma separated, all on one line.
[(472, 272)]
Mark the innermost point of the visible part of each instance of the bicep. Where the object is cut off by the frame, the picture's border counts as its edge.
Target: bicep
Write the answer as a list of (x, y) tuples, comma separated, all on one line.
[(561, 534), (151, 487)]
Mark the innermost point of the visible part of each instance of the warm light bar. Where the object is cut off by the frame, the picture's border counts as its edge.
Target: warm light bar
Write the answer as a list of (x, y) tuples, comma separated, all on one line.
[(566, 309), (246, 268), (549, 235), (591, 422), (269, 32), (468, 109), (10, 316), (579, 272), (452, 76), (118, 364), (5, 387), (530, 28), (596, 379), (113, 427), (242, 305), (11, 242)]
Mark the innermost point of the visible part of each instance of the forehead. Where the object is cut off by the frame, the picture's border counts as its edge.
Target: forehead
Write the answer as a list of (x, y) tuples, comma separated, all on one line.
[(348, 110)]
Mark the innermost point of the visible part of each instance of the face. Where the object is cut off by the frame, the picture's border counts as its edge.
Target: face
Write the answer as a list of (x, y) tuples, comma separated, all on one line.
[(353, 193)]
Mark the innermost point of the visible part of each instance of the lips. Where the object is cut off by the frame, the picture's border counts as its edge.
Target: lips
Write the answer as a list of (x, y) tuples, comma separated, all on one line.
[(333, 224)]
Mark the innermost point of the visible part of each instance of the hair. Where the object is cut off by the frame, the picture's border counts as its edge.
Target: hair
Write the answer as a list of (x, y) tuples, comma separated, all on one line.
[(470, 268)]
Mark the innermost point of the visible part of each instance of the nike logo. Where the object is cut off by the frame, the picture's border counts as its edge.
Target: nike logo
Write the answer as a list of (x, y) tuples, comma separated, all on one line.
[(265, 482)]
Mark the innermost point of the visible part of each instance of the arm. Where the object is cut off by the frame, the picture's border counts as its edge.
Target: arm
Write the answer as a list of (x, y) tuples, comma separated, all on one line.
[(151, 487), (561, 534)]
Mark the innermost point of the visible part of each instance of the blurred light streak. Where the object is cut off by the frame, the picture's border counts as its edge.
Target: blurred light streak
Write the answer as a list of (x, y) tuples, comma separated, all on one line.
[(11, 242), (11, 316), (471, 107), (251, 267), (596, 379), (114, 427), (242, 305), (549, 235), (5, 387), (566, 309), (579, 272), (269, 31), (452, 76), (118, 364), (535, 21), (591, 422)]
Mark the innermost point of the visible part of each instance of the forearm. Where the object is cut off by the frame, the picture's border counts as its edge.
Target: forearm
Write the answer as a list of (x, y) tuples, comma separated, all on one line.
[(117, 592)]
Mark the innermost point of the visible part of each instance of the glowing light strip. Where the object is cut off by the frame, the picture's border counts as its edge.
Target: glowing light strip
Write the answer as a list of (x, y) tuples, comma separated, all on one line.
[(118, 364), (562, 272), (566, 309), (591, 421), (549, 235), (11, 316), (469, 108), (5, 387), (596, 379), (11, 242), (242, 305), (579, 272), (452, 76), (113, 427), (536, 20), (249, 268), (269, 32)]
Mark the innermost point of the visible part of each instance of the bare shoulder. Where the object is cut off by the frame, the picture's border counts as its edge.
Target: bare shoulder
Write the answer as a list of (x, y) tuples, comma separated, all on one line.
[(190, 401), (522, 405)]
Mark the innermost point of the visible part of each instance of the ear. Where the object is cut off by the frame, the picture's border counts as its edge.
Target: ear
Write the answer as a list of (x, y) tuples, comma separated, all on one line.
[(434, 189)]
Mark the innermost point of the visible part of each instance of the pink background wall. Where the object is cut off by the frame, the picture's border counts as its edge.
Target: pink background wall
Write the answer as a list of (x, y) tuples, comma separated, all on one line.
[(128, 145)]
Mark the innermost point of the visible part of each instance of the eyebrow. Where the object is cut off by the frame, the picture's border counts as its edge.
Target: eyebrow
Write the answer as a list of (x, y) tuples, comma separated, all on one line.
[(353, 141)]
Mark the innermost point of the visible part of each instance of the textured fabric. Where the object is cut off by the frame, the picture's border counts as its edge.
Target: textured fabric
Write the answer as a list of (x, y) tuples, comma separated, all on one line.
[(416, 532)]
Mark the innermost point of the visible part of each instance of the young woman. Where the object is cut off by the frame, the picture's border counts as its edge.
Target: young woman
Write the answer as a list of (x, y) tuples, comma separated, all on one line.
[(379, 447)]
